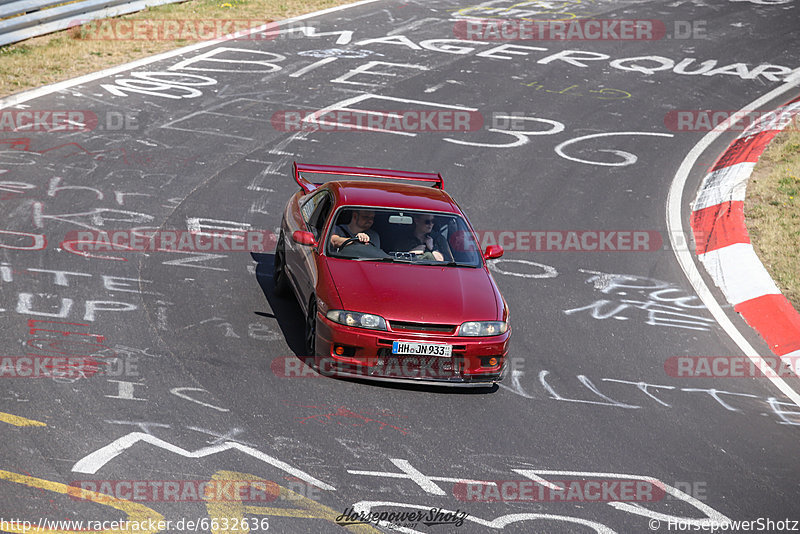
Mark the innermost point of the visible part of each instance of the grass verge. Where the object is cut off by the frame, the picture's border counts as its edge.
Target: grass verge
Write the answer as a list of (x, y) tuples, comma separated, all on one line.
[(772, 211), (63, 55)]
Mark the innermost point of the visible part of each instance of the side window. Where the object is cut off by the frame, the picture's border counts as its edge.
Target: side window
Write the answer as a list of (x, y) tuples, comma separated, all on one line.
[(311, 205), (320, 215)]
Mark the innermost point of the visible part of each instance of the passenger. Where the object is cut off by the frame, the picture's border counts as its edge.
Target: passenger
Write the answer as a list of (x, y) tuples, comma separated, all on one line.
[(420, 241), (359, 226)]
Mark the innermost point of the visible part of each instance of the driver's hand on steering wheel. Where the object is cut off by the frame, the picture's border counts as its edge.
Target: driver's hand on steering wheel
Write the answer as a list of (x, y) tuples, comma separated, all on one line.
[(362, 237)]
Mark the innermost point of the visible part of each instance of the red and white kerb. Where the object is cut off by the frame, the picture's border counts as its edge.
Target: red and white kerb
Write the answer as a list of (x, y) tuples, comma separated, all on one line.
[(723, 245)]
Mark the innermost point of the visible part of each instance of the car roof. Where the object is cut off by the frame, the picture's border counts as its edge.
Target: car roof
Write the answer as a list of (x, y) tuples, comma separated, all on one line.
[(392, 195)]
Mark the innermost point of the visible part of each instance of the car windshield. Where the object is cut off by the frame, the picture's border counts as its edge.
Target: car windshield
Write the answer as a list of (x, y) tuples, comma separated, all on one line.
[(402, 236)]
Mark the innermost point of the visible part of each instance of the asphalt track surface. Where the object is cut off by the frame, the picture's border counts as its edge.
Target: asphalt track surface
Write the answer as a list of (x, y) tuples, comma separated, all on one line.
[(590, 394)]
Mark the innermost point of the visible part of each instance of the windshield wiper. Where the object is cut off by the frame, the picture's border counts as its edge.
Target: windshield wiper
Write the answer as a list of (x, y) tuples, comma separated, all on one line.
[(386, 260), (457, 264)]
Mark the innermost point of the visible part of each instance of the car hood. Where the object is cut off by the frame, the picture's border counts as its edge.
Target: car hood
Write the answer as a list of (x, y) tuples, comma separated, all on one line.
[(416, 293)]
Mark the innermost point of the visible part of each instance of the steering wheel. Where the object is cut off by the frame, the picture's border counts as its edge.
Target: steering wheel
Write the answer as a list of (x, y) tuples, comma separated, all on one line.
[(352, 240)]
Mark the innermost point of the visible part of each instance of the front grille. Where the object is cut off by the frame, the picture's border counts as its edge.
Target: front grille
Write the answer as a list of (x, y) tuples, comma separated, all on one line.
[(408, 366), (404, 326)]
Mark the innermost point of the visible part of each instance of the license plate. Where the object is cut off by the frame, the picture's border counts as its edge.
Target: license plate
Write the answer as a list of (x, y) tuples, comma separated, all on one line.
[(422, 349)]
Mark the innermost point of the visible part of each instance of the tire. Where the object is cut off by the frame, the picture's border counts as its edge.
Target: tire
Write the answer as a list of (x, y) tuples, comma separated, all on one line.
[(279, 276), (311, 329)]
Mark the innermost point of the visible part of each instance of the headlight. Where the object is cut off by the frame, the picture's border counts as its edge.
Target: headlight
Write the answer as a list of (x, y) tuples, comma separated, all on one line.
[(359, 320), (483, 328)]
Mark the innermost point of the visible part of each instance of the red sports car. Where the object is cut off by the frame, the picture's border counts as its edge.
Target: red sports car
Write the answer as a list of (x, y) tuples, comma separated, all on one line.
[(391, 279)]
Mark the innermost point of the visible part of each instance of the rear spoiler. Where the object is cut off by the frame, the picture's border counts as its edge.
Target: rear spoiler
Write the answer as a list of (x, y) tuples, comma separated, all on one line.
[(307, 187)]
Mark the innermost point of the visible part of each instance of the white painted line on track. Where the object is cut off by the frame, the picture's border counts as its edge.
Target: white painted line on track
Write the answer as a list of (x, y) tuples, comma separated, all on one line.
[(684, 255), (24, 96)]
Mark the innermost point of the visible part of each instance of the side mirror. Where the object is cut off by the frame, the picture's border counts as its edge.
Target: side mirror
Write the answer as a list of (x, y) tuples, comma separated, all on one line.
[(304, 238), (492, 252)]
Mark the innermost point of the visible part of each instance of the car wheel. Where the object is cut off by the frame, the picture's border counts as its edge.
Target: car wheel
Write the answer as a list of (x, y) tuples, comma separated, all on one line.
[(311, 329), (279, 277)]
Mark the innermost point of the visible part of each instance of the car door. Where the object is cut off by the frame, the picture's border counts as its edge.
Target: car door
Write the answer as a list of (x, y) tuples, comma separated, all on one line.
[(315, 212)]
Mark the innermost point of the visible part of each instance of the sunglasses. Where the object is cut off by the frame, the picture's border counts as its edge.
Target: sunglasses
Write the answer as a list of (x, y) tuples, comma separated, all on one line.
[(428, 221)]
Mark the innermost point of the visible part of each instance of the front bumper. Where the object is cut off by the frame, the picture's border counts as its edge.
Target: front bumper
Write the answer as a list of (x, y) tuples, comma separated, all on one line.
[(475, 361)]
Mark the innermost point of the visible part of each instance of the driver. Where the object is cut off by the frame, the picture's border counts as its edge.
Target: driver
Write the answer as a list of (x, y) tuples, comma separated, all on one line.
[(359, 226)]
